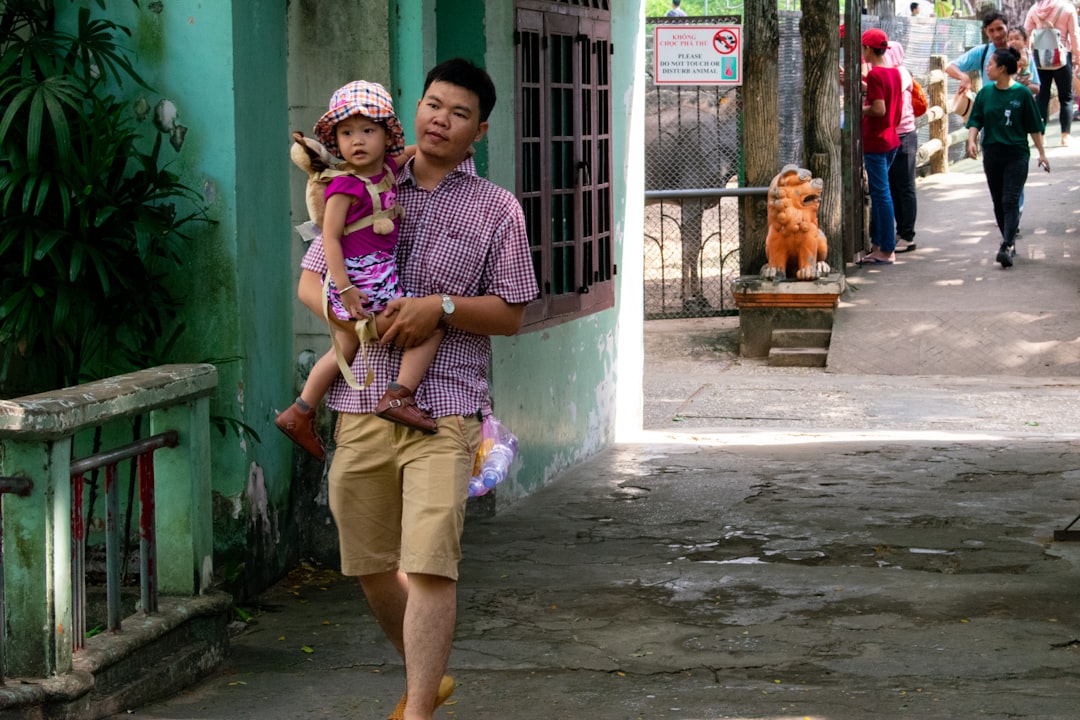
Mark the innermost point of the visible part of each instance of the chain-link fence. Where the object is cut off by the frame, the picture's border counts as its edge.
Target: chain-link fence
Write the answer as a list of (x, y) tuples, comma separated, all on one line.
[(691, 244), (693, 143), (691, 256)]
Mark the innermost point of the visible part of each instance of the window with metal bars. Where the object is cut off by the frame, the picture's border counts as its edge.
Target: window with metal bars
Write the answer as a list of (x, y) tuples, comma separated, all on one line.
[(563, 113)]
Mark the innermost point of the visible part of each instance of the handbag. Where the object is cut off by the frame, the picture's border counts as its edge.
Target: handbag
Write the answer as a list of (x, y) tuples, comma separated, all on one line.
[(919, 103), (1049, 48)]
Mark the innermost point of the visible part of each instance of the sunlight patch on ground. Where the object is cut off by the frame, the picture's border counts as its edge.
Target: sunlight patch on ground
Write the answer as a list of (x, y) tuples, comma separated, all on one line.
[(762, 438)]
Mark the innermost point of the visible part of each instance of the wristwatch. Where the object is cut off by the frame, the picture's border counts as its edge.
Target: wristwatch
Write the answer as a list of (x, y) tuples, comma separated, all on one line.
[(447, 305)]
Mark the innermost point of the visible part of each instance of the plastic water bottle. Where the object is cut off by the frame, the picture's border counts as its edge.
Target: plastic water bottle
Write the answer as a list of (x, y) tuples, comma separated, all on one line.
[(496, 464), (477, 488)]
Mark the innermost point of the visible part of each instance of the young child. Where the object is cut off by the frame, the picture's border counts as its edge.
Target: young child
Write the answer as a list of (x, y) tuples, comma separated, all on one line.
[(359, 235), (1018, 40)]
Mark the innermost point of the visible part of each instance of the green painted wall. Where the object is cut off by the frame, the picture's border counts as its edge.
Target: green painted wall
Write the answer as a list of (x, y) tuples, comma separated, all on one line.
[(222, 66)]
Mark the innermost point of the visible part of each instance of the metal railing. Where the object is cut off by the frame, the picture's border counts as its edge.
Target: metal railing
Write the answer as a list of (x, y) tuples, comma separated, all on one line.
[(691, 250), (43, 604), (143, 452)]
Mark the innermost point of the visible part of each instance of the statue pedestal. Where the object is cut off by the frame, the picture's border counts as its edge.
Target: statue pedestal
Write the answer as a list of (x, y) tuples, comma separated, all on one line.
[(765, 305)]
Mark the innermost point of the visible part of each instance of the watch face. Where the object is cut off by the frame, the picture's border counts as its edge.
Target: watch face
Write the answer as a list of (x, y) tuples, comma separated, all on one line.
[(447, 305)]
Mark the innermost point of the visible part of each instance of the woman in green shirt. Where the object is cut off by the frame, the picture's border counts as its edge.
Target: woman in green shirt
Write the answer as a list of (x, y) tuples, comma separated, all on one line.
[(1006, 114)]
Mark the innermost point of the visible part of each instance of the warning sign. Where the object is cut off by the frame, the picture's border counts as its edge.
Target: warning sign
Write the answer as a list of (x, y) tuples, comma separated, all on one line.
[(697, 54)]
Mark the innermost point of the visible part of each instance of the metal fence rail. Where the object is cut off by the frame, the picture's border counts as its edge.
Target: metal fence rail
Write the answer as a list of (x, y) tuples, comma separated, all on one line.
[(689, 274), (143, 452)]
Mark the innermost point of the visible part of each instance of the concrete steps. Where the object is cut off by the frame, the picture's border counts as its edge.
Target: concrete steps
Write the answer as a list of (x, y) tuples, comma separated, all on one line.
[(150, 658), (799, 348)]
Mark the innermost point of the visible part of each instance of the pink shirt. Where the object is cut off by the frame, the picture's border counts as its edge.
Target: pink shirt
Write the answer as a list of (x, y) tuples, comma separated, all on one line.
[(894, 56), (466, 237), (1044, 12), (365, 240), (907, 113)]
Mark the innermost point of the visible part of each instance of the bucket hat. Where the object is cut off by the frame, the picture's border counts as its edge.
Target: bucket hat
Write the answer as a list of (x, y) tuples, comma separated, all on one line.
[(360, 97), (962, 104)]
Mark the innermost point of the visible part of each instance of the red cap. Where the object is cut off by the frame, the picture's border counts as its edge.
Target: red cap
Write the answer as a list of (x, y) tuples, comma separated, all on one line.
[(875, 38)]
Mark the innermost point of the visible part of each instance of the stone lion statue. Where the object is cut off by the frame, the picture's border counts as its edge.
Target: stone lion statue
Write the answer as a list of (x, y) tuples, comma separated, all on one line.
[(795, 248)]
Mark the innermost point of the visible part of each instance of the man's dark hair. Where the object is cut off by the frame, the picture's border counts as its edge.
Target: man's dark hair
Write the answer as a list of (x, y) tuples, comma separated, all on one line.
[(676, 2), (914, 6), (993, 15), (461, 72)]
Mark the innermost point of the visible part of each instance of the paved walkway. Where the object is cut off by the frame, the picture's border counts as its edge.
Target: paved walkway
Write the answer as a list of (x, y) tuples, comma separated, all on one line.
[(1020, 321), (871, 541)]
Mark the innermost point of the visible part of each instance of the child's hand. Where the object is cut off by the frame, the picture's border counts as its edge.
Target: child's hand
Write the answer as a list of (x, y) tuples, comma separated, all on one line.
[(353, 301)]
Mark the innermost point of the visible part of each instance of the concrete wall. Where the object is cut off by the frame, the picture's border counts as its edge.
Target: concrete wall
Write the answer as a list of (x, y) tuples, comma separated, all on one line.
[(221, 66)]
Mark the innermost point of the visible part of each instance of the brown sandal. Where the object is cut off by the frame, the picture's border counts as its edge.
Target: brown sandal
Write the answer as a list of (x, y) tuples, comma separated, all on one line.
[(397, 405)]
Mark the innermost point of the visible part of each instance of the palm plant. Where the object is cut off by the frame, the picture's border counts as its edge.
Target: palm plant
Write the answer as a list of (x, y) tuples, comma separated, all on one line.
[(90, 229)]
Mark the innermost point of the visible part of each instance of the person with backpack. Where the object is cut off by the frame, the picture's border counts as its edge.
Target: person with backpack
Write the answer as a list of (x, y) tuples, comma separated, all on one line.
[(397, 494), (1054, 39)]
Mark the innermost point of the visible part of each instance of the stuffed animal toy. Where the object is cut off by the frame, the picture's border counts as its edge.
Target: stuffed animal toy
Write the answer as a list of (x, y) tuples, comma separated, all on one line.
[(794, 247), (321, 167)]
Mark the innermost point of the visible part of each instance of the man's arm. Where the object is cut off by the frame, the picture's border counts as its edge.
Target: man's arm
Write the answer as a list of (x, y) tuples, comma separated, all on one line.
[(414, 319), (953, 71), (958, 69)]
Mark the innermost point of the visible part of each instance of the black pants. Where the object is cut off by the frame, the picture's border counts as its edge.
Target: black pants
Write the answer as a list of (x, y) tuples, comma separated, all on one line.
[(902, 185), (1062, 77), (1006, 168)]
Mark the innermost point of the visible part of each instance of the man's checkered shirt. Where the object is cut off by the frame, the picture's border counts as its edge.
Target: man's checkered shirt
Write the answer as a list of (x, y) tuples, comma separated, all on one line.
[(466, 237)]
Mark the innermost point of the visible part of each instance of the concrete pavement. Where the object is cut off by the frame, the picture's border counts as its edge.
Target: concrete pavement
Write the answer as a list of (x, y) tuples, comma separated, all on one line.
[(871, 541)]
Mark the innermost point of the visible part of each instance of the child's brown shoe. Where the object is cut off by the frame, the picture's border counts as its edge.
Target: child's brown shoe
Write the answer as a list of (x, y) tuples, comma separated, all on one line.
[(397, 405), (300, 427)]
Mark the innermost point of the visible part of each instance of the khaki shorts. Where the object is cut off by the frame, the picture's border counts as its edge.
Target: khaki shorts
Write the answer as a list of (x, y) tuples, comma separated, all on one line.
[(398, 495)]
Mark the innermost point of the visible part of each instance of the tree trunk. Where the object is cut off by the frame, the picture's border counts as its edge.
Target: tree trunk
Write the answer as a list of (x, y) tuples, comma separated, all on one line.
[(761, 127), (855, 234), (881, 8), (1015, 11), (821, 125)]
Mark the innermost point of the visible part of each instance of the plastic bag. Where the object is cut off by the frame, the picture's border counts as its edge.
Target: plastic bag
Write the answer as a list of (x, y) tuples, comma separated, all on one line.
[(498, 447)]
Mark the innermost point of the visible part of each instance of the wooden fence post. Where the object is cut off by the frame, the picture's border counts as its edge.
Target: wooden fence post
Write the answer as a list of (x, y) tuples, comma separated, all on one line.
[(939, 124)]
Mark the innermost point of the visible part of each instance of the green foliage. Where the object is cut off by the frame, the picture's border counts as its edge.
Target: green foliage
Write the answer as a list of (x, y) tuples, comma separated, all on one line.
[(90, 228), (659, 8), (697, 8)]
